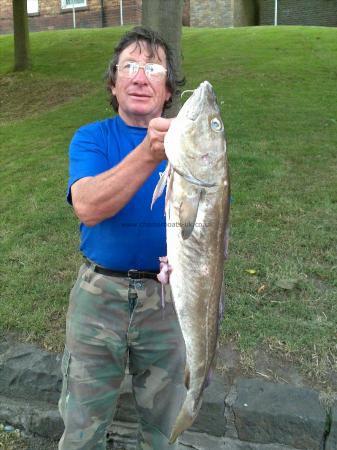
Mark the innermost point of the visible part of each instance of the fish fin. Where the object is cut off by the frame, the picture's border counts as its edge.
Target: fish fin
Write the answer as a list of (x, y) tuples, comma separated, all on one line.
[(221, 304), (159, 189), (210, 375), (226, 241), (187, 377), (186, 174), (188, 212), (169, 186)]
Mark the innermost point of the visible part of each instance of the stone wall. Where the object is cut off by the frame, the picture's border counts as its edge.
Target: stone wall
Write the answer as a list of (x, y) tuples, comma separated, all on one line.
[(299, 12), (211, 13), (51, 16), (236, 413)]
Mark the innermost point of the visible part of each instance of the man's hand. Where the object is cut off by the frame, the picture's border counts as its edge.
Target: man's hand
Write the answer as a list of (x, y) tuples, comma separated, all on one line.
[(154, 140), (97, 198)]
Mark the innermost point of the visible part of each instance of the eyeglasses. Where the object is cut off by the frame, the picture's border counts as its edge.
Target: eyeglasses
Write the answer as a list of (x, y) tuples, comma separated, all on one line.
[(153, 71)]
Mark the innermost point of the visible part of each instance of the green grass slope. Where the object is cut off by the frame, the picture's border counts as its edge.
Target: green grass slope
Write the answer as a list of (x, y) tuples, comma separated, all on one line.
[(277, 92)]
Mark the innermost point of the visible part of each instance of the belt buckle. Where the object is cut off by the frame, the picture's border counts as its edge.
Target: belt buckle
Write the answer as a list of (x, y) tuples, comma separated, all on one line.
[(133, 274)]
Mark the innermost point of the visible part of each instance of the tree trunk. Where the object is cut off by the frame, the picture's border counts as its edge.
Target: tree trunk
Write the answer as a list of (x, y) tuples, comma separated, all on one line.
[(21, 35), (166, 18)]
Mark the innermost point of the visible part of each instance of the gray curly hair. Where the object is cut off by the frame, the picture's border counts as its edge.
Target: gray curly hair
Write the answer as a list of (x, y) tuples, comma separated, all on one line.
[(153, 41)]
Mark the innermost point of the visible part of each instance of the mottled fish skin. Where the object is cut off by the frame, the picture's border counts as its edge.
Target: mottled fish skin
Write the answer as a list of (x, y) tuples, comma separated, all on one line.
[(197, 221)]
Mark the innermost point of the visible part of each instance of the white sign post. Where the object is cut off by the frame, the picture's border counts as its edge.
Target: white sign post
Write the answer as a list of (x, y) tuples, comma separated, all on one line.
[(74, 15)]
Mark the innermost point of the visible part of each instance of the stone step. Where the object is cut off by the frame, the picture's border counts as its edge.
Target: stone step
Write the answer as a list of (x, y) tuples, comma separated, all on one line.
[(268, 413), (202, 441), (27, 371), (33, 417), (331, 442), (248, 414)]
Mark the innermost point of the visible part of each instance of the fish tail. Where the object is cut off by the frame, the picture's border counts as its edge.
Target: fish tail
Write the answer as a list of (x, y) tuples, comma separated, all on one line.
[(186, 417)]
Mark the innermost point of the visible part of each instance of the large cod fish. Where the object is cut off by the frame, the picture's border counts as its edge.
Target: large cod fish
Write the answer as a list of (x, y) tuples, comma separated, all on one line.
[(197, 209)]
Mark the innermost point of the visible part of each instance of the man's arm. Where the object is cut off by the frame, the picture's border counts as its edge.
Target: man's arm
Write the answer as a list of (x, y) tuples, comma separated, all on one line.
[(97, 198)]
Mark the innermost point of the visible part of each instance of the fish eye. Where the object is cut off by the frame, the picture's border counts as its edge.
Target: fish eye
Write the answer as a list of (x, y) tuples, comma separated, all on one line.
[(216, 124)]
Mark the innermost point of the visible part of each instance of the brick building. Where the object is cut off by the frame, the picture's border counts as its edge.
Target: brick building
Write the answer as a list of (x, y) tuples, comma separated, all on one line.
[(299, 12), (233, 13), (58, 14)]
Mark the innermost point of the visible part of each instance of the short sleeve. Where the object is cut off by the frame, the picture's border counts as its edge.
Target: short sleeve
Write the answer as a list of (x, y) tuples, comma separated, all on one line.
[(87, 155)]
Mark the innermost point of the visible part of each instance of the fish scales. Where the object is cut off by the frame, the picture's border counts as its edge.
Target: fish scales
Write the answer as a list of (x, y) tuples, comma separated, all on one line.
[(197, 210)]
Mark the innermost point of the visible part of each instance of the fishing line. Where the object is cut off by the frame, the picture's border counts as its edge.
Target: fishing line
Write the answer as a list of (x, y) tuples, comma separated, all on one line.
[(187, 90)]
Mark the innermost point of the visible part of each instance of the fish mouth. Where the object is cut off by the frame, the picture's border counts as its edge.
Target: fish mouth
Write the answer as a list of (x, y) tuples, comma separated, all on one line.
[(203, 93)]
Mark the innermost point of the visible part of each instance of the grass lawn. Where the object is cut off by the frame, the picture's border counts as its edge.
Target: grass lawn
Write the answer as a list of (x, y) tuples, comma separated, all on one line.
[(278, 96), (11, 440)]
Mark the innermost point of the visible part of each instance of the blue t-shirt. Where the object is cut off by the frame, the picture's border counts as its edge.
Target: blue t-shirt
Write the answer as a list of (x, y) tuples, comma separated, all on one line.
[(135, 237)]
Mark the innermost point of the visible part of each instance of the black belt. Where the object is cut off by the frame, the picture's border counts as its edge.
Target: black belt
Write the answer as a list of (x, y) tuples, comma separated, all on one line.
[(132, 273)]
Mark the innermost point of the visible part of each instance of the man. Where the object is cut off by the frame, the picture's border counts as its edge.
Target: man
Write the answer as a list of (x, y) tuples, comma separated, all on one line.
[(115, 309)]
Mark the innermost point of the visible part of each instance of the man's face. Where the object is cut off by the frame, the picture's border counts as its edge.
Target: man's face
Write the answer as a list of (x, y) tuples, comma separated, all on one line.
[(140, 99)]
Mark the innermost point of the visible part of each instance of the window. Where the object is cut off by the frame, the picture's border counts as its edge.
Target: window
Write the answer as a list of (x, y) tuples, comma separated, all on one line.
[(69, 3), (32, 6)]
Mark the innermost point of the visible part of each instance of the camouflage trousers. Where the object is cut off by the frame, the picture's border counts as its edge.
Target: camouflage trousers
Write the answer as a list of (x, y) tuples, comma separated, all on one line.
[(109, 320)]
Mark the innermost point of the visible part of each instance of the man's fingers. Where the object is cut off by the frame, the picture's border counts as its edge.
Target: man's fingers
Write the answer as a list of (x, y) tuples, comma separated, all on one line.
[(156, 132), (160, 124)]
